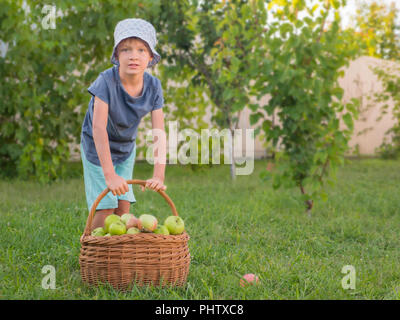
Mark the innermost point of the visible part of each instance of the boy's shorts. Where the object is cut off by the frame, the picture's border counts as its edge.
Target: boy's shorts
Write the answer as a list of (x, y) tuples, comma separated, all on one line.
[(95, 183)]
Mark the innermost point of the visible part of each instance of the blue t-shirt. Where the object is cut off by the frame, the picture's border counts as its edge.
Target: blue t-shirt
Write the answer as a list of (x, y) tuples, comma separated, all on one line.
[(124, 113)]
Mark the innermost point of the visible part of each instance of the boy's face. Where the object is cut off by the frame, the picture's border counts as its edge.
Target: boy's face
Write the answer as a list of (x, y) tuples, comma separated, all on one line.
[(133, 55)]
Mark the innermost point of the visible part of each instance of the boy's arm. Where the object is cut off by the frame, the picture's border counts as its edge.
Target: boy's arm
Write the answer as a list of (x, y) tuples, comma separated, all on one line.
[(160, 152), (115, 183)]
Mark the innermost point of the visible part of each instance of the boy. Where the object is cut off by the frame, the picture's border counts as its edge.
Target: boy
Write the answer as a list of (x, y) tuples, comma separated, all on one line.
[(121, 96)]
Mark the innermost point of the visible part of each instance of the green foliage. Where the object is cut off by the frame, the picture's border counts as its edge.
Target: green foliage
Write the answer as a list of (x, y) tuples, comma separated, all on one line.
[(390, 77), (46, 72), (211, 52), (214, 49), (236, 57), (302, 71), (206, 60), (377, 30)]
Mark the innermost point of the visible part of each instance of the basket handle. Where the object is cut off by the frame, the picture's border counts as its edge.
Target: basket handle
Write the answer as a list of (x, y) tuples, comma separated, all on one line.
[(107, 190)]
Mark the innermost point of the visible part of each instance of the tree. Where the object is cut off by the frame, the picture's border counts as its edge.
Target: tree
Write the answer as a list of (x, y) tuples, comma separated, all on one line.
[(45, 74), (215, 46), (47, 70), (390, 77), (304, 63), (377, 28), (378, 31)]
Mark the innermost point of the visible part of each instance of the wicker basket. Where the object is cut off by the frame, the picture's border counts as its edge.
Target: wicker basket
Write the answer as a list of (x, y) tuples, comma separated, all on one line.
[(141, 259)]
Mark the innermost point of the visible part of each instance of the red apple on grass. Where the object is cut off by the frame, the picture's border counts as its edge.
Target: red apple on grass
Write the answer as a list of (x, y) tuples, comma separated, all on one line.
[(249, 279)]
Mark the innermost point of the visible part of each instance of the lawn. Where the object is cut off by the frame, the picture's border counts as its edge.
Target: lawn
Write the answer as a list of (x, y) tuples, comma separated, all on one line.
[(235, 228)]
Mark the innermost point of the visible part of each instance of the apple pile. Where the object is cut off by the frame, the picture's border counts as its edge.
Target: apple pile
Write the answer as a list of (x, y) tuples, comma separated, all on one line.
[(115, 225)]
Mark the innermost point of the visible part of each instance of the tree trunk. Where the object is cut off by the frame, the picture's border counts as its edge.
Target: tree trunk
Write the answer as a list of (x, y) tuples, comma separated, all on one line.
[(309, 203), (232, 155), (231, 147)]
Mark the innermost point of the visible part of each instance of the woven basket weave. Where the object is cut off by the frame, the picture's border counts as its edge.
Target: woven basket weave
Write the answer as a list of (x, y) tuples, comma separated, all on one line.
[(141, 259)]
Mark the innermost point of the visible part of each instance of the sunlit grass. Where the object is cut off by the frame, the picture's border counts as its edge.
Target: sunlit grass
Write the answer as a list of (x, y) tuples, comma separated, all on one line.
[(235, 227)]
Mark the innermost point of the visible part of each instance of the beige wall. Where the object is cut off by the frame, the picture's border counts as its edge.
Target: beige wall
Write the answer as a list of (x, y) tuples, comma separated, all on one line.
[(360, 82)]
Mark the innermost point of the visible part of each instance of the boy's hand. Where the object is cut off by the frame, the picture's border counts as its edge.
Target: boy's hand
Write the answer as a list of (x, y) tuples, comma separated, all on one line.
[(117, 184), (155, 184)]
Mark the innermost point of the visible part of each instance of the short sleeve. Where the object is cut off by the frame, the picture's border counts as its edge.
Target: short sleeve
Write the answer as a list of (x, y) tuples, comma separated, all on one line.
[(100, 89), (159, 98)]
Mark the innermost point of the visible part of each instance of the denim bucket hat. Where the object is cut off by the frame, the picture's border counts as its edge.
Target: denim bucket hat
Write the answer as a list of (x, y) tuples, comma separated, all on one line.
[(136, 28)]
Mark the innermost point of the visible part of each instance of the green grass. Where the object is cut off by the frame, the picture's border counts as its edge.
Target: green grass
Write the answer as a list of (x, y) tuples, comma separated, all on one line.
[(235, 228)]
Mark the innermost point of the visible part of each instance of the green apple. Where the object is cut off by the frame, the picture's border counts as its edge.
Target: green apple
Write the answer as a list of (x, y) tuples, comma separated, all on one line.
[(117, 228), (149, 222), (133, 230), (125, 217), (161, 229), (174, 224), (109, 220), (98, 232)]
